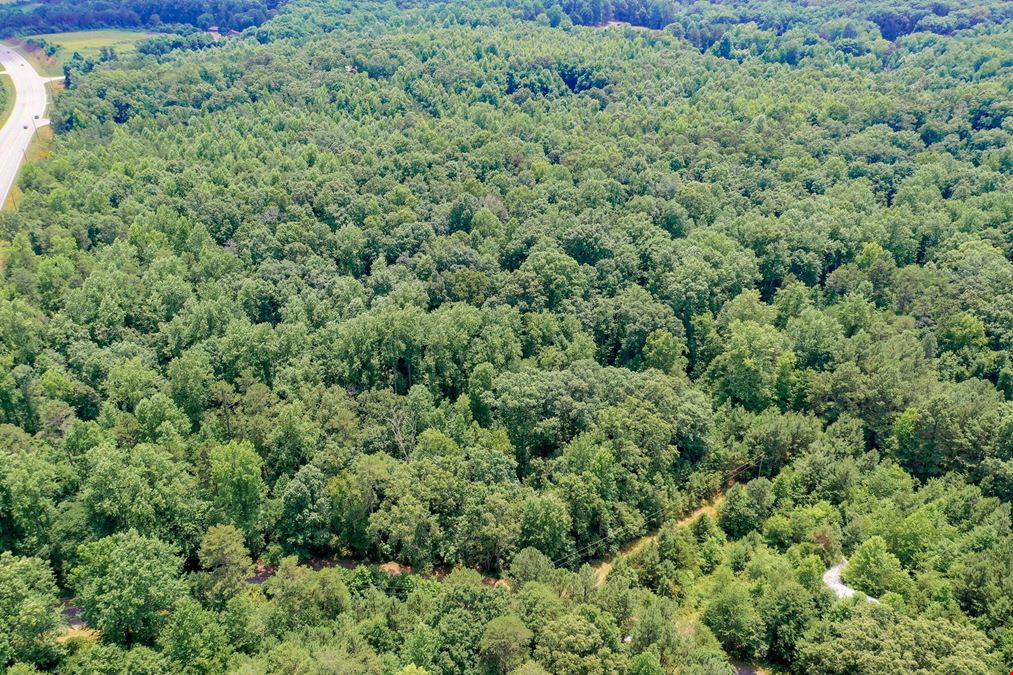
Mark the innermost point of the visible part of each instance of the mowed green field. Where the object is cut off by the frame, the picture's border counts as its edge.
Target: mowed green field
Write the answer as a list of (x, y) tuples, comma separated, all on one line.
[(88, 43)]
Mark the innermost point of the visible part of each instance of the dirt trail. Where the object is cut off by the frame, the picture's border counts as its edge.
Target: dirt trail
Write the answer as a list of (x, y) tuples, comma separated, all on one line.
[(605, 566), (77, 627)]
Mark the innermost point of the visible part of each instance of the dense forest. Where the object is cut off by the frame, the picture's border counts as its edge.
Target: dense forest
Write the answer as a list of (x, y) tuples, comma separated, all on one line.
[(481, 295), (703, 23), (25, 17)]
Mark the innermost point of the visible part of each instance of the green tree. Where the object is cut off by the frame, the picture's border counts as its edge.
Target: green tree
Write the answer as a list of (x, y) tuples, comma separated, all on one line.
[(112, 659), (574, 644), (238, 484), (545, 525), (787, 610), (131, 381), (146, 489), (301, 597), (645, 664), (225, 563), (159, 419), (734, 618), (303, 524), (190, 380), (29, 486), (30, 619), (664, 351), (737, 514), (879, 639), (505, 643), (194, 640), (747, 371), (874, 570), (126, 583), (408, 529), (557, 276), (530, 564)]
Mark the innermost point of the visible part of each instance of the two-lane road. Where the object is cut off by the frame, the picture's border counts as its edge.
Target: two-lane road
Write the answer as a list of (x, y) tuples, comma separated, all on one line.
[(28, 115)]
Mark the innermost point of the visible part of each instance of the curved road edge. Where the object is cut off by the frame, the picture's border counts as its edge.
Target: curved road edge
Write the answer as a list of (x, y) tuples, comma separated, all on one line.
[(27, 117)]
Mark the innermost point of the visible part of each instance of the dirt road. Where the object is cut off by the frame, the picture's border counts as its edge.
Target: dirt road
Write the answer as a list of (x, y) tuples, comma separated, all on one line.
[(605, 566)]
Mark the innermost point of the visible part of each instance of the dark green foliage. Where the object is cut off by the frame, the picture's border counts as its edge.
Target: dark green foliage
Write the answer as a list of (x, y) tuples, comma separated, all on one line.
[(24, 18), (476, 288), (126, 584)]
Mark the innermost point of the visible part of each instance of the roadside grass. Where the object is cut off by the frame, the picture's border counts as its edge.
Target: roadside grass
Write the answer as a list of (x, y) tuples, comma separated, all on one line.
[(8, 107), (88, 43), (39, 148)]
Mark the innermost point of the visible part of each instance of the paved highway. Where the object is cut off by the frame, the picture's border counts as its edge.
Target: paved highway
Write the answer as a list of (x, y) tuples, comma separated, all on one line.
[(29, 113)]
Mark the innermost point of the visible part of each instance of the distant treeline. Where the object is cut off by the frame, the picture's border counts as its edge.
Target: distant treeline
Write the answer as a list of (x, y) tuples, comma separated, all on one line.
[(704, 23), (26, 18)]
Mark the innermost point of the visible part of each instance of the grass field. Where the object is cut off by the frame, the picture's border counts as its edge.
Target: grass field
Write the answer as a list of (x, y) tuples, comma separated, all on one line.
[(87, 42)]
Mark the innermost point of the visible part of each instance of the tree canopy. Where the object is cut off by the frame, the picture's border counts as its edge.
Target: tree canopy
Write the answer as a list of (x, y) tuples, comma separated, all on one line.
[(360, 341)]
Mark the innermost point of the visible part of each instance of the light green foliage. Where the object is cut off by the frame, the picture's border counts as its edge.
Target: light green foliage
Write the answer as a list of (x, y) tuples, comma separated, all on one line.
[(116, 660), (874, 570), (748, 371), (29, 483), (190, 380), (787, 610), (302, 523), (143, 488), (646, 664), (574, 643), (664, 351), (736, 516), (545, 524)]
